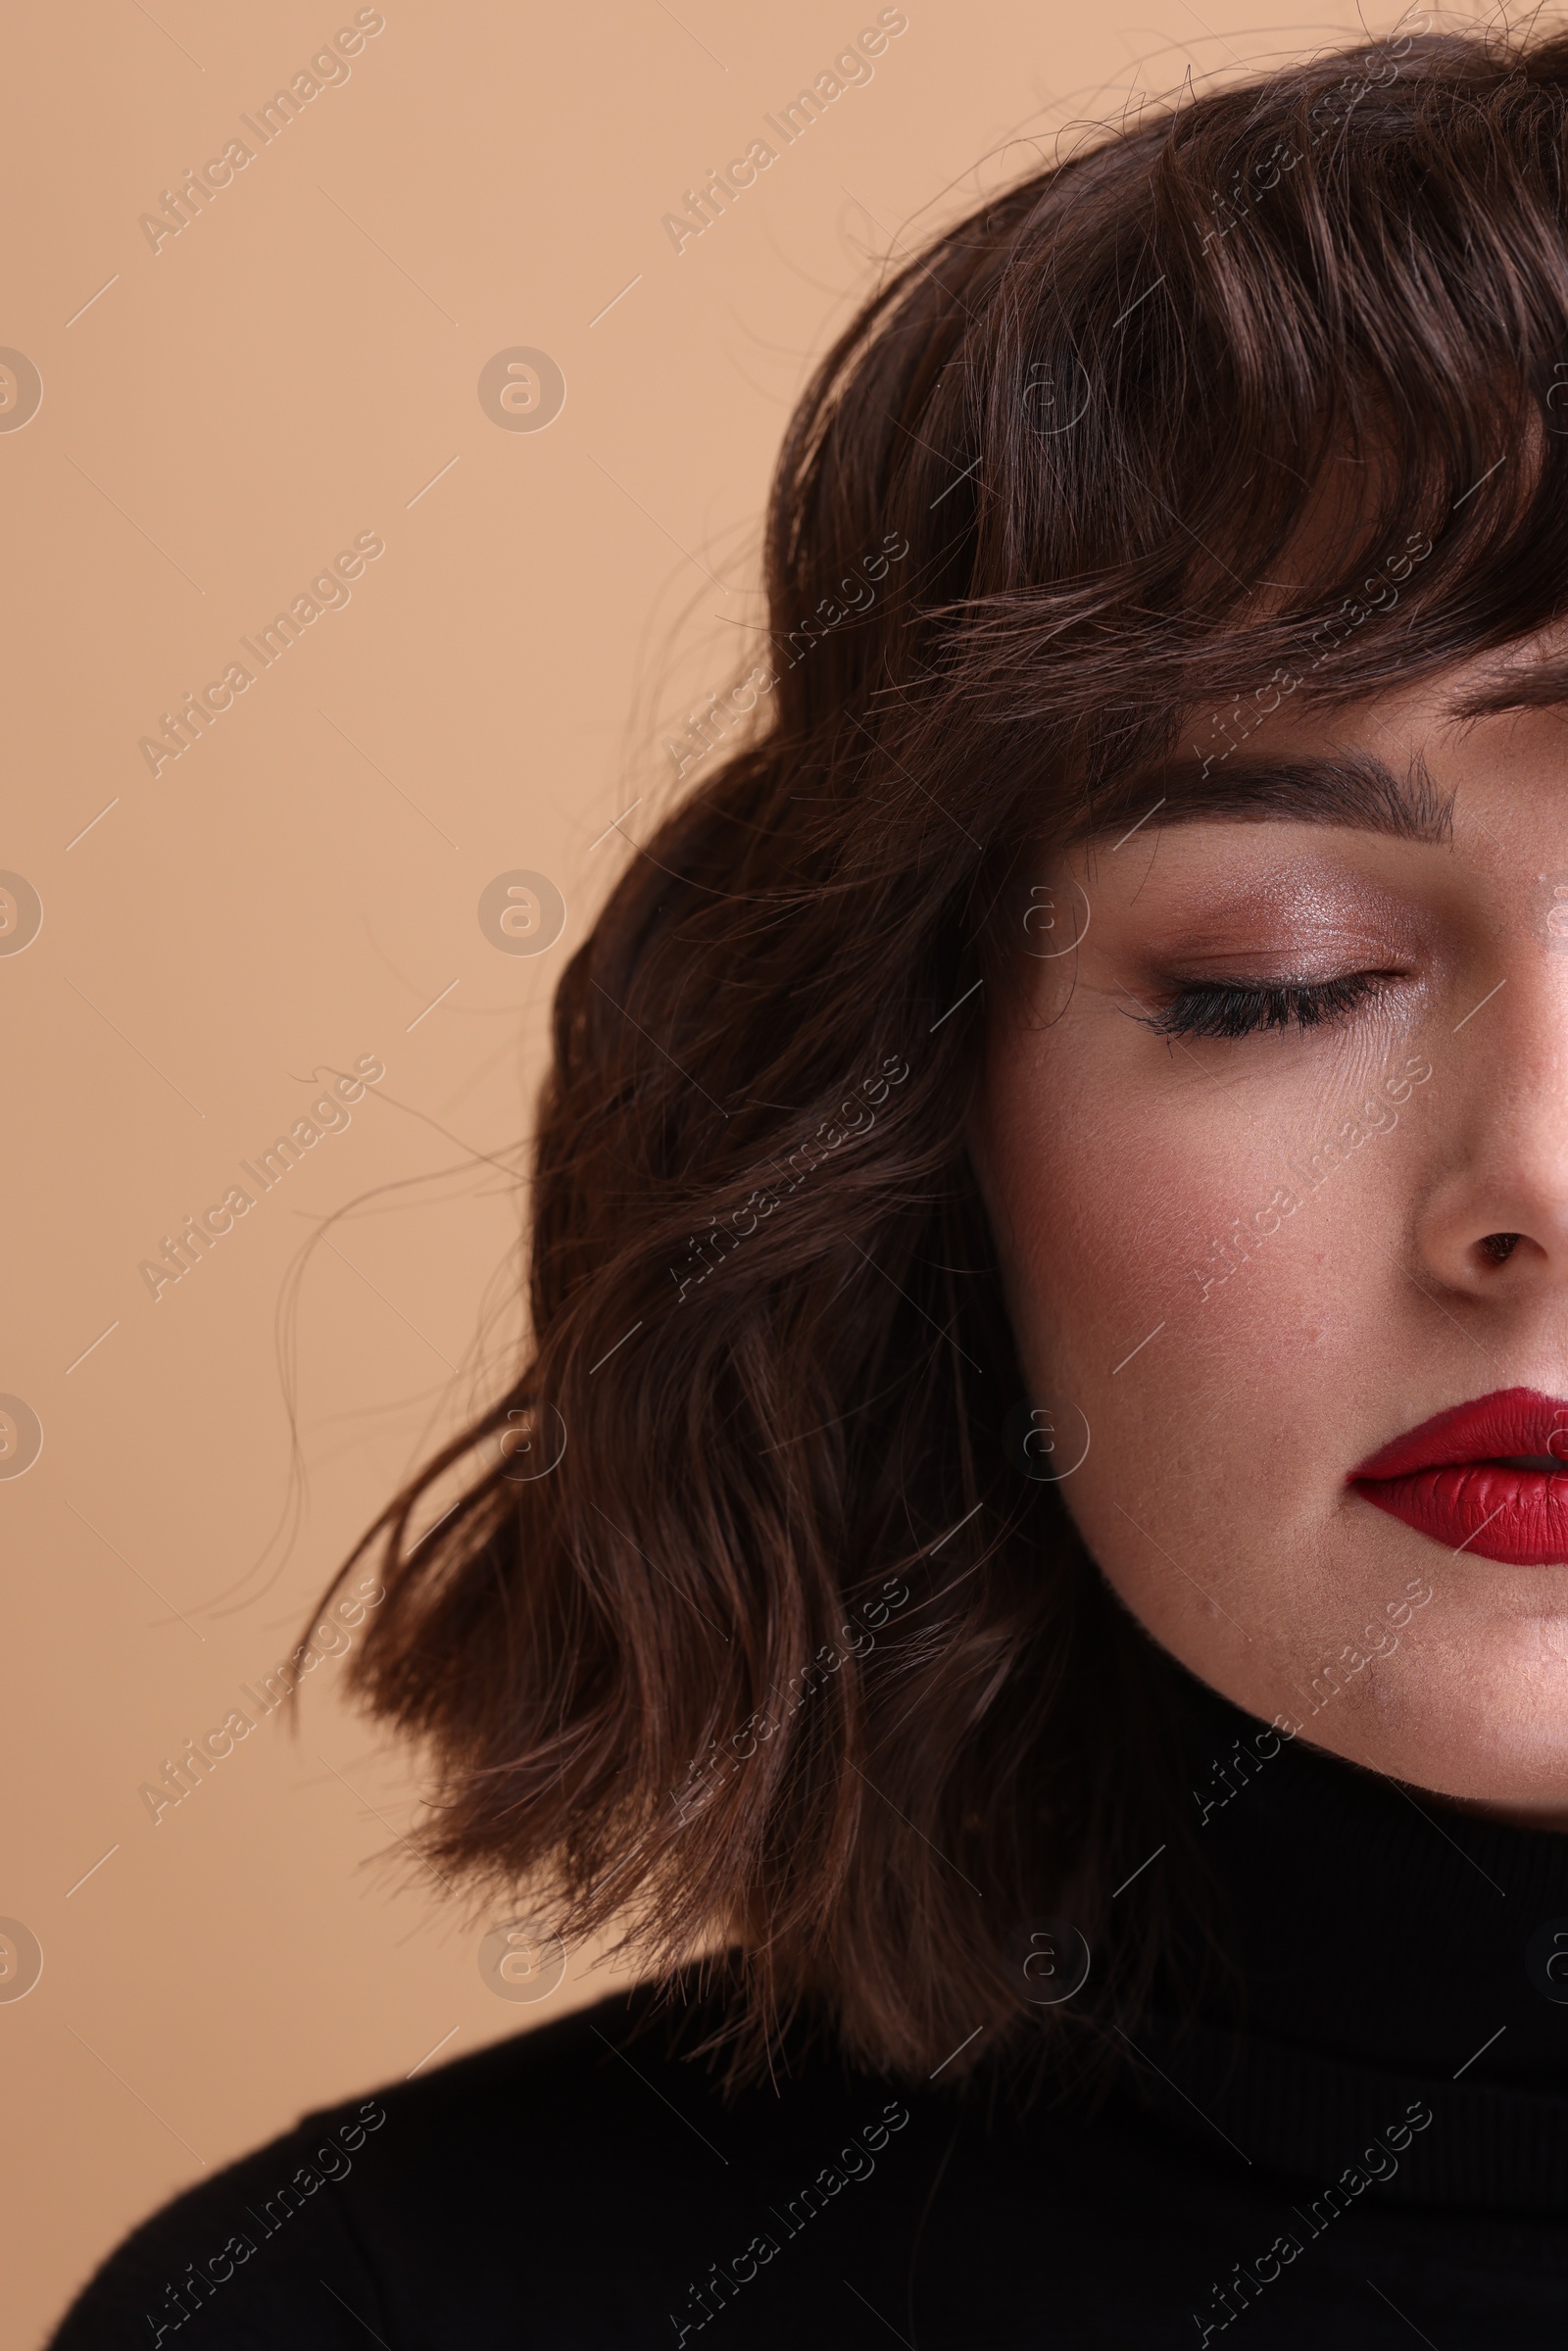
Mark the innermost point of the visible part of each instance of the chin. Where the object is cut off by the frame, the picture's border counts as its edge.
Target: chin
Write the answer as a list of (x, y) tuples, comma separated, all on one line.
[(1482, 1720)]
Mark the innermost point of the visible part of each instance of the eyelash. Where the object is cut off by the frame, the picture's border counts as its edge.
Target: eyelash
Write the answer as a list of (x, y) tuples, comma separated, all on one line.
[(1243, 1007)]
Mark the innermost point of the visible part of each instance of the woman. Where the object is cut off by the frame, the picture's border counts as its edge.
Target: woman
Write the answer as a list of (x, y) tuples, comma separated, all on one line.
[(1028, 1570)]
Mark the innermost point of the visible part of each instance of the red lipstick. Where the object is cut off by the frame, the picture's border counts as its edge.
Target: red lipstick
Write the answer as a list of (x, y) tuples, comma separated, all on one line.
[(1489, 1476)]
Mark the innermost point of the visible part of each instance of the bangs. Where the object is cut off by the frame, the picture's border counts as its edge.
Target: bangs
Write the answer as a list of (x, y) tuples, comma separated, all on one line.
[(1268, 397)]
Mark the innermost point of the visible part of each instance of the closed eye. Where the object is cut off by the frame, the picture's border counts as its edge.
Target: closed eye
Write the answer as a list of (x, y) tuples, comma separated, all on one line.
[(1242, 1007)]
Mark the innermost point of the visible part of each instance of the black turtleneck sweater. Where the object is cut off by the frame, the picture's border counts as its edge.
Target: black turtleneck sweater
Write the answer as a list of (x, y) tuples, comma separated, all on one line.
[(1376, 2157)]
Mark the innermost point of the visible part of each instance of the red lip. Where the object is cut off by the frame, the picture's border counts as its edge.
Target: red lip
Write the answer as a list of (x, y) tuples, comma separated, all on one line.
[(1449, 1478)]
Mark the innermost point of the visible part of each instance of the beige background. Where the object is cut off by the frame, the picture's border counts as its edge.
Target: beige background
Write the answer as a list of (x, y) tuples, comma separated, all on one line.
[(297, 365)]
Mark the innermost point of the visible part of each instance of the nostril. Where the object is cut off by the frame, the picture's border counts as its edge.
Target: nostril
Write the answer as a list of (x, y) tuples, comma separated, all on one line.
[(1499, 1247)]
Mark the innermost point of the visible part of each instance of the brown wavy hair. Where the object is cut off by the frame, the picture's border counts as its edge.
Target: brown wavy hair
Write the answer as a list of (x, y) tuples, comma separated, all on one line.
[(748, 1631)]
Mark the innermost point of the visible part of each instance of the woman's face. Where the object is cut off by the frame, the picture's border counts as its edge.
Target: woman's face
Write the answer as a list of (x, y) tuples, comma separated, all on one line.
[(1242, 1259)]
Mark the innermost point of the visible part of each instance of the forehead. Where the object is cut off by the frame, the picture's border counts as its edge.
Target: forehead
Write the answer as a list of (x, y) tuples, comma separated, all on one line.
[(1393, 763), (1530, 674)]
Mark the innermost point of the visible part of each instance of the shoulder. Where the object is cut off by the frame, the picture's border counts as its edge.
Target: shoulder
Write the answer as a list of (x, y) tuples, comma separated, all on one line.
[(589, 2173)]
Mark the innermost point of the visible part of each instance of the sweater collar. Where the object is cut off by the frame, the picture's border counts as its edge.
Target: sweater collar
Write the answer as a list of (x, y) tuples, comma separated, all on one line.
[(1388, 1951)]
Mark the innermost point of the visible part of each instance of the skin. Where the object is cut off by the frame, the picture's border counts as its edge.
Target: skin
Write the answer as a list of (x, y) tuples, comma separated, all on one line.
[(1113, 1160)]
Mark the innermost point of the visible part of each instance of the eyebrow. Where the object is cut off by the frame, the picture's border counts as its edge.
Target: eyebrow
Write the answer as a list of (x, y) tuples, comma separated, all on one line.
[(1350, 787)]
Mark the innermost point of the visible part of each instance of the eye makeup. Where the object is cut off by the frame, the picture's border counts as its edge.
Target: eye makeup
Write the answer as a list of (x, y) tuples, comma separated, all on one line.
[(1242, 1007)]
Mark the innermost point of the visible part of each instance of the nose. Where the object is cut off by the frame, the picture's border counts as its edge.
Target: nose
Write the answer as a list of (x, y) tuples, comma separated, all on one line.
[(1496, 1218)]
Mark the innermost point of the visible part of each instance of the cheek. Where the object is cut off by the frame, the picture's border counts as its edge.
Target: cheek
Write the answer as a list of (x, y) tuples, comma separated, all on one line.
[(1173, 1278), (1118, 1208), (1167, 1233)]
